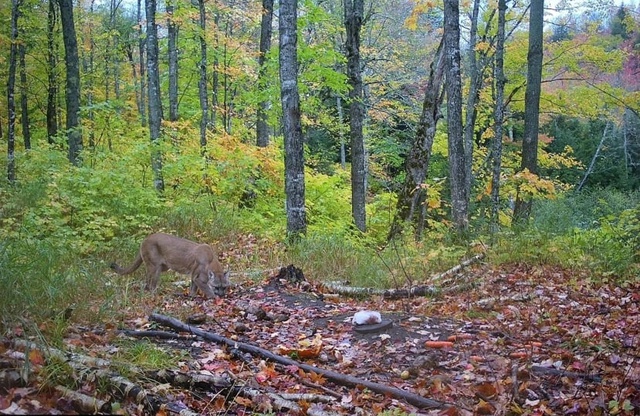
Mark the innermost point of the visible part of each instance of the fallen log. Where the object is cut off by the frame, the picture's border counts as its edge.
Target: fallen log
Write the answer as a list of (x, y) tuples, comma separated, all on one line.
[(83, 403), (153, 334), (343, 379), (90, 368), (421, 290)]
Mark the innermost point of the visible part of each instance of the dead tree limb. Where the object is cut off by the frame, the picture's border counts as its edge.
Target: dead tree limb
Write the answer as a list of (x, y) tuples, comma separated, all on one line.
[(346, 380), (83, 403), (422, 290), (92, 367), (153, 334)]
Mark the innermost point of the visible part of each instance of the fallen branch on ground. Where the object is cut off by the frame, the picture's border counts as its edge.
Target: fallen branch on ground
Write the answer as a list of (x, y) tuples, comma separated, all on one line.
[(89, 368), (343, 379), (422, 290)]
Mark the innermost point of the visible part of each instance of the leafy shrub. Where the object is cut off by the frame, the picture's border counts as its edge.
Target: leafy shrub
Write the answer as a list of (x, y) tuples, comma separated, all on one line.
[(583, 210)]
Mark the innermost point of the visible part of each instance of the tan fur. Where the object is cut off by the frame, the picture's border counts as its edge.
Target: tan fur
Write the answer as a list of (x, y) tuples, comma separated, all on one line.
[(161, 252)]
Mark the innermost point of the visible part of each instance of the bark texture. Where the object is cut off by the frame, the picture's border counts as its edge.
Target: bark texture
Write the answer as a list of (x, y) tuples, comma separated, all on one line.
[(74, 135), (498, 116), (293, 141), (353, 17), (531, 105), (262, 126), (155, 104), (410, 207), (457, 160)]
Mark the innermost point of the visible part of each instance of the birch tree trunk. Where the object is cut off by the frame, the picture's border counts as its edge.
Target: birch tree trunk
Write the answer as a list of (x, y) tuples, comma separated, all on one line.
[(293, 142), (595, 157), (353, 16)]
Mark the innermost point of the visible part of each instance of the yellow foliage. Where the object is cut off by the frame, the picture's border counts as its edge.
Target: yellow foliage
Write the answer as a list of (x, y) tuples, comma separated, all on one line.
[(421, 7)]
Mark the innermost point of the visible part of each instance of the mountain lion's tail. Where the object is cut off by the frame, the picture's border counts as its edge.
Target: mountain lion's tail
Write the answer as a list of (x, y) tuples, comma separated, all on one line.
[(136, 263)]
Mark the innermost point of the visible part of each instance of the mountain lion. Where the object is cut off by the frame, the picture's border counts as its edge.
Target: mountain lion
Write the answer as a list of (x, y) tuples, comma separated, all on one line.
[(161, 252)]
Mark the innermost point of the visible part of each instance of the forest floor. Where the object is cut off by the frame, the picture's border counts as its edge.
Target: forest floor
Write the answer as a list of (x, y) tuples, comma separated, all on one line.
[(516, 339)]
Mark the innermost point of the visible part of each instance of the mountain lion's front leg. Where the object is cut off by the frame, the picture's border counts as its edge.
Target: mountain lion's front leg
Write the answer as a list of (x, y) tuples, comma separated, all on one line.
[(201, 281)]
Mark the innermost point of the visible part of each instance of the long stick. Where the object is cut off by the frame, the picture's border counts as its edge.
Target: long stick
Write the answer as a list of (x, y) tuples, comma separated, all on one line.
[(412, 398)]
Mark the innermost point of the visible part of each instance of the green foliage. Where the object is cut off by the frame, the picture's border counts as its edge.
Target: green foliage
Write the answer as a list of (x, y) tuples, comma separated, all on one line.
[(82, 206), (582, 210), (593, 231)]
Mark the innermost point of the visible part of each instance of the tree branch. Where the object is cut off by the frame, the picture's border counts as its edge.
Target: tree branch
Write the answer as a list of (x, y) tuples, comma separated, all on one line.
[(346, 380)]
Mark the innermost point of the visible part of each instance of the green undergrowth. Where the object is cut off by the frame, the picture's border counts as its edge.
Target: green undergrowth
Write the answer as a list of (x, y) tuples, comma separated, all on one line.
[(598, 231), (61, 226), (145, 355)]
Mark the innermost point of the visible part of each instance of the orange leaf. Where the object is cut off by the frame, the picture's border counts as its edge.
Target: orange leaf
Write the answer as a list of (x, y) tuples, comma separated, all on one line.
[(36, 357), (519, 354), (454, 338), (438, 344), (243, 402)]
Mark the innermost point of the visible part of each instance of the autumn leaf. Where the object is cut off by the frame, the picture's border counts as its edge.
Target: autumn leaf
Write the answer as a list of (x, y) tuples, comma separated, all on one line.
[(36, 357)]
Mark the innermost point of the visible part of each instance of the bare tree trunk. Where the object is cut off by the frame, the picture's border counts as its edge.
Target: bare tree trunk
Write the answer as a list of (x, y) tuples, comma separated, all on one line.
[(262, 127), (155, 104), (11, 84), (202, 84), (475, 81), (74, 134), (115, 55), (595, 157), (173, 62), (293, 141), (531, 105), (353, 16), (343, 152), (498, 117), (412, 196), (24, 107), (457, 160), (141, 48), (215, 88), (52, 79), (227, 95), (88, 70)]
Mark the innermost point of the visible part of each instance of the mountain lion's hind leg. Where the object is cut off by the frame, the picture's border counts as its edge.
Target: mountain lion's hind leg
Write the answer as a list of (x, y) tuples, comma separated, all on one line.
[(153, 275)]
